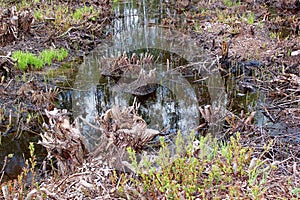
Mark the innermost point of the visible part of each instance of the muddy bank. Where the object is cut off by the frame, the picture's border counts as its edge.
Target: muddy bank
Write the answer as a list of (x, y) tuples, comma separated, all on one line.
[(34, 27), (78, 27)]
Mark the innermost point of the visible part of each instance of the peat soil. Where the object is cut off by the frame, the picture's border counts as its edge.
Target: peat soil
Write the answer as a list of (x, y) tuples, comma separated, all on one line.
[(264, 32)]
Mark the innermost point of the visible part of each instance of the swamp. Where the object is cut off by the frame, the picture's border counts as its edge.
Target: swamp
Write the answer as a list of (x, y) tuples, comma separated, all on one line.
[(140, 99)]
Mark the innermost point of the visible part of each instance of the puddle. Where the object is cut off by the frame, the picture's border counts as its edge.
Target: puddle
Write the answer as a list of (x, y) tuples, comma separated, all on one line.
[(17, 148), (174, 103)]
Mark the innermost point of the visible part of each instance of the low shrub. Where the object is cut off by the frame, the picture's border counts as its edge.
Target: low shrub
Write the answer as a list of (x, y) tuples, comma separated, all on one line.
[(201, 168)]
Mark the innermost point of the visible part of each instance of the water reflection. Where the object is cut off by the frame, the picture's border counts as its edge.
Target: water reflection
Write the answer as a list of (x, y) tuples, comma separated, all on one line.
[(174, 103), (15, 151)]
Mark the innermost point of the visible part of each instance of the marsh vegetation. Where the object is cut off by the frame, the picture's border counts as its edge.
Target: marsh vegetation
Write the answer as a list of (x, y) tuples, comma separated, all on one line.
[(65, 134)]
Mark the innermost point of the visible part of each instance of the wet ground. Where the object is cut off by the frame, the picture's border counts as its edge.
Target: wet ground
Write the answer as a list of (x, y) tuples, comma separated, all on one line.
[(25, 94), (265, 32)]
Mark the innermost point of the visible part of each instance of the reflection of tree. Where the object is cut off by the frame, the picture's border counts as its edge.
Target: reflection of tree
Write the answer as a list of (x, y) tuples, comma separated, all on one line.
[(65, 99), (160, 110), (102, 97)]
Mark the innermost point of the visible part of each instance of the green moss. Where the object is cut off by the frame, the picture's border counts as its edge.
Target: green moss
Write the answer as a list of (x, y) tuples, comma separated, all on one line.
[(27, 60), (62, 54)]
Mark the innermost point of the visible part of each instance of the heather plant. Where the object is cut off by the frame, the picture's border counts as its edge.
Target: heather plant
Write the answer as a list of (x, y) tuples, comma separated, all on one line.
[(199, 168)]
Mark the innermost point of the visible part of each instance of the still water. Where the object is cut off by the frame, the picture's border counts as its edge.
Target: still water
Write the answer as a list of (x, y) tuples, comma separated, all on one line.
[(185, 75)]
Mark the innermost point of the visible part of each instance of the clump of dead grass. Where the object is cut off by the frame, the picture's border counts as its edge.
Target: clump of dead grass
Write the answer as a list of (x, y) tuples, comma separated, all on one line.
[(64, 141)]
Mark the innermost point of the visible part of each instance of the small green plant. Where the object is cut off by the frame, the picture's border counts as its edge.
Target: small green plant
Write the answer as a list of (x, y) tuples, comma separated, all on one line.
[(250, 18), (24, 77), (81, 12), (32, 164), (48, 55), (275, 35), (231, 3), (26, 59)]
